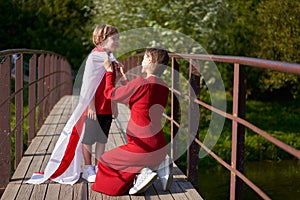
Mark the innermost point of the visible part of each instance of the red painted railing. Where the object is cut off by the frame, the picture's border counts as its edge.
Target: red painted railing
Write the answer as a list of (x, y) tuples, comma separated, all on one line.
[(237, 116), (44, 77)]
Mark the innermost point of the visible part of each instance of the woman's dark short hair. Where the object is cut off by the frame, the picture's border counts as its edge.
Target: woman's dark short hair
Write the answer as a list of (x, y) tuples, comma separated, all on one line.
[(160, 57)]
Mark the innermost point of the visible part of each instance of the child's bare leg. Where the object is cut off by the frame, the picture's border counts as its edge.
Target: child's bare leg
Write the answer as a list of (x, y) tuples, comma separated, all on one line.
[(87, 154), (88, 169), (100, 147)]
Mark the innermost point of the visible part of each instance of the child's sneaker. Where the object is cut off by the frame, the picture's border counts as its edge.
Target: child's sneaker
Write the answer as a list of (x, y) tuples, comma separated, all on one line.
[(89, 173)]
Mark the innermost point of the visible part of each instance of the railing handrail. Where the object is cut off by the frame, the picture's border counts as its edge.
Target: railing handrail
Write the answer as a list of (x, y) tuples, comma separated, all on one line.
[(49, 78), (237, 119), (254, 62), (27, 51), (281, 66)]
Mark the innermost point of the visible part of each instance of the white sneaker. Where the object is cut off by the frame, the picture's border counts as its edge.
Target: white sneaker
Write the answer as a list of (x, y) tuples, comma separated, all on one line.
[(165, 173), (89, 173), (143, 181)]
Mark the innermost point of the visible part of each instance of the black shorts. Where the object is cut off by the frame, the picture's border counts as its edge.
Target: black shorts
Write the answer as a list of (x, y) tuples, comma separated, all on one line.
[(96, 130)]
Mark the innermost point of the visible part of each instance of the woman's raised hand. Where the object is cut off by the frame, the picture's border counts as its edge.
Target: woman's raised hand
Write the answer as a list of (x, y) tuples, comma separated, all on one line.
[(121, 66), (107, 64)]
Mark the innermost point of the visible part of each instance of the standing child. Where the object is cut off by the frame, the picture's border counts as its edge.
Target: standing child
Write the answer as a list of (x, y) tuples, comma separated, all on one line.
[(64, 165), (99, 118)]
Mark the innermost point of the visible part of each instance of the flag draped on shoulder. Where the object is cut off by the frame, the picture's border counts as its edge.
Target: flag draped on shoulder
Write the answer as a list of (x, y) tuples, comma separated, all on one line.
[(64, 165)]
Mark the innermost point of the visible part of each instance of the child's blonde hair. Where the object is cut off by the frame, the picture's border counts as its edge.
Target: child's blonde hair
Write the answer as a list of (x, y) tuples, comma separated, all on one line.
[(102, 32)]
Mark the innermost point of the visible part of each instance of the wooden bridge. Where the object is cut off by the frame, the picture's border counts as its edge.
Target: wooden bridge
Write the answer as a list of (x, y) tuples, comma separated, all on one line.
[(38, 153), (47, 92)]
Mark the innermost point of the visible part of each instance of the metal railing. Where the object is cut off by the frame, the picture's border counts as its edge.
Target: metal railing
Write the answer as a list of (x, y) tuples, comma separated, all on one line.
[(31, 81), (237, 178)]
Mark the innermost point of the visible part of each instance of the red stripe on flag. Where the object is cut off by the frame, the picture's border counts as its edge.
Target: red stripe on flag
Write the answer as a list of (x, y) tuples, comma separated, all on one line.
[(71, 148)]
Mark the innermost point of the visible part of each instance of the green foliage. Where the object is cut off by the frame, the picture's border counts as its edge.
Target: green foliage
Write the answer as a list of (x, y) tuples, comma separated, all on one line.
[(50, 25), (255, 28), (193, 18), (241, 26), (279, 27), (8, 30), (270, 30), (257, 148), (223, 27)]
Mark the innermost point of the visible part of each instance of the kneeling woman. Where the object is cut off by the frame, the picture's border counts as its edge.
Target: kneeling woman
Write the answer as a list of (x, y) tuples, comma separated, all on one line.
[(146, 147)]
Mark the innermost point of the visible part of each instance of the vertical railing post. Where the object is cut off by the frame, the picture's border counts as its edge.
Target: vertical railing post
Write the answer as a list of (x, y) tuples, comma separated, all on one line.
[(139, 63), (41, 65), (51, 83), (66, 68), (135, 63), (70, 83), (238, 132), (5, 164), (193, 149), (46, 86), (174, 110), (57, 74), (19, 108), (53, 89), (66, 76), (140, 60), (31, 98), (241, 133), (126, 64), (63, 76), (58, 78), (131, 65), (234, 130)]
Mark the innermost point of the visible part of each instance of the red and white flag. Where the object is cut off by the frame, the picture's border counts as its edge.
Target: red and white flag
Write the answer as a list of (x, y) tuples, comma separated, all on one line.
[(64, 165)]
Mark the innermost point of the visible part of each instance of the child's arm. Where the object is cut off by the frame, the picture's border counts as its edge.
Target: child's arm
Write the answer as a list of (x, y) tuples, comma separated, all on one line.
[(92, 110)]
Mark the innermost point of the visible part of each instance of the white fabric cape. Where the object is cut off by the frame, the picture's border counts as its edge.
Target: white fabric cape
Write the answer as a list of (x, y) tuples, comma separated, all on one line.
[(93, 74)]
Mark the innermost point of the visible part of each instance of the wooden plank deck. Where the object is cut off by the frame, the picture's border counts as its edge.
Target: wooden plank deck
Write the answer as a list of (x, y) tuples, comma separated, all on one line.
[(38, 154)]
